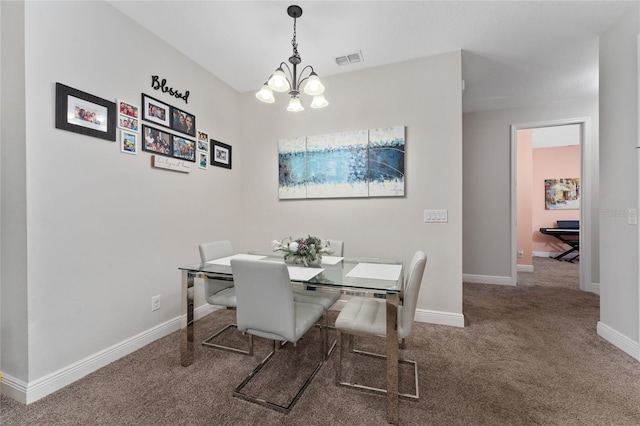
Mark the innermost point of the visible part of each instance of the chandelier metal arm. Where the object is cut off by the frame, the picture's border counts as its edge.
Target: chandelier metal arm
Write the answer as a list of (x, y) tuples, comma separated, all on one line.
[(307, 77)]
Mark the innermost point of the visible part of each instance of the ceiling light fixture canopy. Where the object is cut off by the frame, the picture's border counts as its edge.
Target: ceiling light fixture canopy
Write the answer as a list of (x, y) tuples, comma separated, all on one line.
[(279, 81)]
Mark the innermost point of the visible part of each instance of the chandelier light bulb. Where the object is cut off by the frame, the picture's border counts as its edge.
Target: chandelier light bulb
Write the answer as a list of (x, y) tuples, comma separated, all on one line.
[(295, 105), (278, 81), (313, 86), (265, 94), (319, 101)]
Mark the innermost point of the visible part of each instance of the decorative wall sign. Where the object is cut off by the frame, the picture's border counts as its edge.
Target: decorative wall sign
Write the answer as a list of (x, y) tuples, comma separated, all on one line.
[(156, 140), (128, 142), (220, 154), (158, 84), (562, 194), (349, 164), (170, 164), (80, 112)]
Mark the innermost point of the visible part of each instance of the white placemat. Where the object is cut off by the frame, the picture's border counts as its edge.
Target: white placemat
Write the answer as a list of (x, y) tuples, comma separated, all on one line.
[(226, 261), (376, 271), (331, 260), (300, 273)]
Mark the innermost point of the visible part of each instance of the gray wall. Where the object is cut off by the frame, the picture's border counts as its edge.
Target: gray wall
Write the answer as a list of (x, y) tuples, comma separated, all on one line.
[(619, 311), (90, 234), (382, 227), (487, 184)]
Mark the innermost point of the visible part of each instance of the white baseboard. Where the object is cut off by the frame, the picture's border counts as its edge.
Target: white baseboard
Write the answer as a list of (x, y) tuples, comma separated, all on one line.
[(487, 279), (619, 340), (438, 317), (524, 268), (595, 288), (27, 393)]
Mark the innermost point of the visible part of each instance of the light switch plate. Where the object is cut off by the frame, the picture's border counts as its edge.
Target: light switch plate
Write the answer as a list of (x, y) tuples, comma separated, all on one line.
[(436, 216)]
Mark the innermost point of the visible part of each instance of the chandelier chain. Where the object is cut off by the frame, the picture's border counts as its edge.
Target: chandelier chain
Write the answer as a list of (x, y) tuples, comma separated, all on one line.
[(294, 43)]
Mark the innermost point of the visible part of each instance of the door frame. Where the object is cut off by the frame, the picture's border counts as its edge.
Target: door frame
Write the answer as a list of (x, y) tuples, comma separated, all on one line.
[(586, 182)]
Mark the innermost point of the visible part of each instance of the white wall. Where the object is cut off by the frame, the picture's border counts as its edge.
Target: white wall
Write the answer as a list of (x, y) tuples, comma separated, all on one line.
[(104, 231), (619, 310), (13, 226), (380, 227), (487, 184)]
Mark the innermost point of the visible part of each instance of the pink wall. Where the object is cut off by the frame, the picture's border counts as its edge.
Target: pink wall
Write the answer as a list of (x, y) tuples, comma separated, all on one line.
[(533, 167), (524, 178), (549, 163)]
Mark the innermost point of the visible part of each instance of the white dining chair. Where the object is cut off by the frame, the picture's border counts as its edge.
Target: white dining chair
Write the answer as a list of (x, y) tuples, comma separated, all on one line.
[(219, 292), (266, 309), (326, 299), (368, 316)]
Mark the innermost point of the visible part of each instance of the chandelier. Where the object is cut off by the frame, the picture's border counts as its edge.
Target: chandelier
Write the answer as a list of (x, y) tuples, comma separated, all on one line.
[(280, 82)]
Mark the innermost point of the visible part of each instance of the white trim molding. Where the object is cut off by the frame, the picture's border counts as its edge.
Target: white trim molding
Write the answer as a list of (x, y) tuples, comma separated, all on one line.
[(27, 393), (487, 279), (525, 268), (438, 317), (619, 340)]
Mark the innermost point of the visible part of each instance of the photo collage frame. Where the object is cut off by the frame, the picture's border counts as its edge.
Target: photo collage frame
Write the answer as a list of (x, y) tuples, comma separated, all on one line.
[(166, 143)]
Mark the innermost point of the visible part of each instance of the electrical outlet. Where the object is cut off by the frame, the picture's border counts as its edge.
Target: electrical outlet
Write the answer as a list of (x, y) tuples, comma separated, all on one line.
[(520, 254), (155, 303)]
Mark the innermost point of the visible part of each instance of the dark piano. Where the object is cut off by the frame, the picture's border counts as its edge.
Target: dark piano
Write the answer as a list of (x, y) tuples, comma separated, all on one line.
[(567, 231)]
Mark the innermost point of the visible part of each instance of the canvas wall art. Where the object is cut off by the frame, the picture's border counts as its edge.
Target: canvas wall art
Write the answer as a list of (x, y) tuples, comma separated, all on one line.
[(363, 163), (562, 194), (292, 159)]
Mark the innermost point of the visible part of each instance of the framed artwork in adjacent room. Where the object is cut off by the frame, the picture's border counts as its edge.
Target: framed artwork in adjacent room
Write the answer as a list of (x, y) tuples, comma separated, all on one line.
[(220, 154), (81, 112)]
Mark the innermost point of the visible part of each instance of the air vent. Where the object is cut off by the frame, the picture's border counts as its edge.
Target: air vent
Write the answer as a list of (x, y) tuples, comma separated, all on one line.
[(351, 58)]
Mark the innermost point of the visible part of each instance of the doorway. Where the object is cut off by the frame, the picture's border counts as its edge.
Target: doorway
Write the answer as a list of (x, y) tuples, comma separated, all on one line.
[(584, 125)]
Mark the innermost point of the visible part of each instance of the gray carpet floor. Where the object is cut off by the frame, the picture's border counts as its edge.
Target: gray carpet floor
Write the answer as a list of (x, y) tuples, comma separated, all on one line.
[(529, 355)]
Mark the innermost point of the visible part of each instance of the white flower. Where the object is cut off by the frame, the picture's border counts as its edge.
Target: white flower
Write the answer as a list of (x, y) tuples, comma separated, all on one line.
[(293, 246)]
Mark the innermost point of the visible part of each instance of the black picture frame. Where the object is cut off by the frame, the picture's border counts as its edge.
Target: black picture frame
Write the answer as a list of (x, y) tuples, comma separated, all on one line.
[(183, 148), (183, 122), (220, 154), (155, 111), (157, 141), (81, 112)]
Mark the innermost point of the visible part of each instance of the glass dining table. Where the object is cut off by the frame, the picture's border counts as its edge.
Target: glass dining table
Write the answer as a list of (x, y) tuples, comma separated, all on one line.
[(372, 276)]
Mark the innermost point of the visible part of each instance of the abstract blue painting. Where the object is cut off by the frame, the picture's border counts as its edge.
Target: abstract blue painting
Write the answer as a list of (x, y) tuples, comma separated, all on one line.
[(386, 162), (364, 163), (337, 165), (292, 155)]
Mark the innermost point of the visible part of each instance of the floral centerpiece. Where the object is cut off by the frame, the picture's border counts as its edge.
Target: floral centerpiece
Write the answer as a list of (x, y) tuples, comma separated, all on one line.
[(307, 251)]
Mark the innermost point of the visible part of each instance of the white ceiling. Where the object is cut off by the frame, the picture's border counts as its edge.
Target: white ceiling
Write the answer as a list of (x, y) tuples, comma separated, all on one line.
[(515, 53)]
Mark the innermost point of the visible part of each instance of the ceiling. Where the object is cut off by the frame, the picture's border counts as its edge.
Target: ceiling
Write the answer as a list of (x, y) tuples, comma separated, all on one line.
[(515, 53)]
